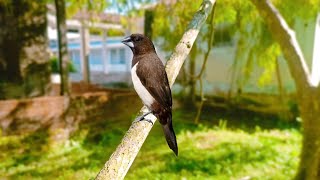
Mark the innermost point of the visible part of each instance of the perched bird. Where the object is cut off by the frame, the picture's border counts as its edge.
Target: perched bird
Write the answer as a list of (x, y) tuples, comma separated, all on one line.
[(151, 83)]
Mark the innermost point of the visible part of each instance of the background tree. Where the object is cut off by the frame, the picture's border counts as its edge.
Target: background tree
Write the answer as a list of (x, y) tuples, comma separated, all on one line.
[(24, 65), (167, 31), (307, 93), (62, 47), (256, 49)]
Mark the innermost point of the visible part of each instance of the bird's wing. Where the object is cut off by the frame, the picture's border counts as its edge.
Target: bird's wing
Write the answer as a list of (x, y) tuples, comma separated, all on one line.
[(160, 90)]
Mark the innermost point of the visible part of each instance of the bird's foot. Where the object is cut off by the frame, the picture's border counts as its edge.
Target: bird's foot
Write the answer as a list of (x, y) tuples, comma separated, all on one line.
[(142, 118)]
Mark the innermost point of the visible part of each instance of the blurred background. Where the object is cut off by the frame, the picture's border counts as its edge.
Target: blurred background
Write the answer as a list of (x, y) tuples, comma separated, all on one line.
[(66, 96)]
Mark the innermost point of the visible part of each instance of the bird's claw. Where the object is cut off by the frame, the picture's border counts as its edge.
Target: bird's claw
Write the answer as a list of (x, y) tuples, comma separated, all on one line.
[(142, 118)]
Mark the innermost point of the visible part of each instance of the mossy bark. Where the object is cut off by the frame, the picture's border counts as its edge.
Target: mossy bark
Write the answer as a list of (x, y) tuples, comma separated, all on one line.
[(309, 167), (24, 65)]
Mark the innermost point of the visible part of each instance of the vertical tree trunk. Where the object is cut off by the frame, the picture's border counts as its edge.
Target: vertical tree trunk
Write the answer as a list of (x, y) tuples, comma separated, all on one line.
[(234, 74), (192, 71), (62, 47), (148, 21), (24, 65), (85, 41), (283, 113), (309, 167)]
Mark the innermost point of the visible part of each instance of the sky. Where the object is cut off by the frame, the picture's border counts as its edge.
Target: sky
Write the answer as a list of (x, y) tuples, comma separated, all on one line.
[(115, 7)]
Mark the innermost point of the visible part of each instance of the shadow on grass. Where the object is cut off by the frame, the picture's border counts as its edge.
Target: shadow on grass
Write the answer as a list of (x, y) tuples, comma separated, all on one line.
[(19, 151), (234, 119), (90, 147)]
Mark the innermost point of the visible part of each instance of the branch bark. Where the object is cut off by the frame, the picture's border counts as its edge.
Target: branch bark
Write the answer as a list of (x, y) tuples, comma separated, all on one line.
[(120, 161), (287, 41)]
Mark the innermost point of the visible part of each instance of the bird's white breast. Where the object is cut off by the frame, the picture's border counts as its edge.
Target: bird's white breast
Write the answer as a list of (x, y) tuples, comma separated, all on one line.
[(140, 89)]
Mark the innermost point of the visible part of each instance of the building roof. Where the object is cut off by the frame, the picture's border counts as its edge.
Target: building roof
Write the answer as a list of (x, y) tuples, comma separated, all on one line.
[(96, 20)]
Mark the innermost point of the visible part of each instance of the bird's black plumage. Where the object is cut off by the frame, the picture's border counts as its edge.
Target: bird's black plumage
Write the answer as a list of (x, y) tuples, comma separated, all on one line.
[(151, 83)]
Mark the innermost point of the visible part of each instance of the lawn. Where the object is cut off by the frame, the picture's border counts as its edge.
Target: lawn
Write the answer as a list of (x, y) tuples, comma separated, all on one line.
[(223, 146)]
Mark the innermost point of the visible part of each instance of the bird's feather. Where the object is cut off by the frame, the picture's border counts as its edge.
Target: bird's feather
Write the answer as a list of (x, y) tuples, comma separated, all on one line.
[(160, 90)]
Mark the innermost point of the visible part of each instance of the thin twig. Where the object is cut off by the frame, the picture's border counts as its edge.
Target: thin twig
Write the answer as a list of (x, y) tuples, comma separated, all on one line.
[(199, 76)]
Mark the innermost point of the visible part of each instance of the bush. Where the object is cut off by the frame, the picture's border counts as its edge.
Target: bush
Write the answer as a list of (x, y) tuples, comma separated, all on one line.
[(55, 65)]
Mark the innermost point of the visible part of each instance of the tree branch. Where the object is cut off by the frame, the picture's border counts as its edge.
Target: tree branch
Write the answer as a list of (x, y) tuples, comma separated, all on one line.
[(287, 41), (203, 67), (120, 161)]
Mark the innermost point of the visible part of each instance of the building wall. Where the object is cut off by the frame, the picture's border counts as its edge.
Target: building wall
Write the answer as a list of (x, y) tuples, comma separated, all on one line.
[(116, 57)]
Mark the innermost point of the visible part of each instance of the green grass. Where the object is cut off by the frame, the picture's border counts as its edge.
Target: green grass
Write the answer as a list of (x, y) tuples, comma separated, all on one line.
[(221, 147)]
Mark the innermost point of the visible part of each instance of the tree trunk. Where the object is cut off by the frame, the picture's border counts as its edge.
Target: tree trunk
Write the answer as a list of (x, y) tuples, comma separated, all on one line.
[(148, 21), (284, 113), (309, 167), (307, 93), (62, 47), (192, 72), (24, 65), (85, 42)]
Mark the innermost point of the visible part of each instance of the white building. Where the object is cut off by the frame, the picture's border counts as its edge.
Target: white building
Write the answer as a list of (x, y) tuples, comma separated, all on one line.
[(106, 55)]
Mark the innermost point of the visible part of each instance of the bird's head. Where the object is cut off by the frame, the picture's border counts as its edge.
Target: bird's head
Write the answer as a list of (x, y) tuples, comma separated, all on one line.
[(139, 44)]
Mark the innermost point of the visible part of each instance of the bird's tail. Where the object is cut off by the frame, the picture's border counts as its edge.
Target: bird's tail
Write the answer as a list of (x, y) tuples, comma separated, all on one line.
[(170, 135)]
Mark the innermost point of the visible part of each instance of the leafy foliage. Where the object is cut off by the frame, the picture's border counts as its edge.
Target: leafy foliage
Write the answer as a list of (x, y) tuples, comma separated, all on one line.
[(169, 30), (73, 6), (303, 9), (55, 65), (256, 52)]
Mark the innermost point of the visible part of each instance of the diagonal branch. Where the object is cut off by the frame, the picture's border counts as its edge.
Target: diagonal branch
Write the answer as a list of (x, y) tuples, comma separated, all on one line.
[(287, 41), (120, 161)]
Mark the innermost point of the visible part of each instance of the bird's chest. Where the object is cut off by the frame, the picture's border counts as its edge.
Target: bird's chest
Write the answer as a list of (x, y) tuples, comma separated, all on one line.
[(143, 93)]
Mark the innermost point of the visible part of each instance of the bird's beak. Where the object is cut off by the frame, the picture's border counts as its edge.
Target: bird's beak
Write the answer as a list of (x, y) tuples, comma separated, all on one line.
[(127, 41)]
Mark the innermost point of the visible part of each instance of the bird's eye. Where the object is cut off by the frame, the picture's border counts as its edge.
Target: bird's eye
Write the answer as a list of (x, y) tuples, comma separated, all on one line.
[(138, 39)]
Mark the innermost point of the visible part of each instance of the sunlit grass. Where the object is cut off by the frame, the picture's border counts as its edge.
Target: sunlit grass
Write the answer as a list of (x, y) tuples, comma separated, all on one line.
[(223, 154), (210, 150)]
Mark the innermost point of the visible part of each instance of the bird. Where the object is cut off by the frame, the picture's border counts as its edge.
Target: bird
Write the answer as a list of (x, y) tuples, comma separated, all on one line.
[(151, 83)]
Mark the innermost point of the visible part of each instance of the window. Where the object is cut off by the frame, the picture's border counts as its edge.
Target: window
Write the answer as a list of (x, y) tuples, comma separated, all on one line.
[(117, 56), (95, 56), (113, 56), (122, 55), (53, 44), (95, 60), (75, 58)]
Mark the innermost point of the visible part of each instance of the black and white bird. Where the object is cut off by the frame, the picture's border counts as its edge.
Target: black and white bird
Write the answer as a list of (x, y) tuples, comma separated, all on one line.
[(151, 83)]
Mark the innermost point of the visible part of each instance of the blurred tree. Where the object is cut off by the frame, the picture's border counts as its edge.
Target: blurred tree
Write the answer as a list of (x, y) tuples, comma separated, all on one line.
[(256, 48), (75, 6), (308, 94), (62, 47), (168, 30), (256, 52), (24, 65), (148, 21)]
